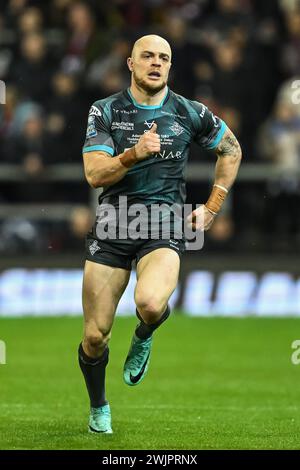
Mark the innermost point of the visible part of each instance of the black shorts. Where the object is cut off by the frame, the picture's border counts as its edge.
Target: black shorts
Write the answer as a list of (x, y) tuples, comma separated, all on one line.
[(121, 253)]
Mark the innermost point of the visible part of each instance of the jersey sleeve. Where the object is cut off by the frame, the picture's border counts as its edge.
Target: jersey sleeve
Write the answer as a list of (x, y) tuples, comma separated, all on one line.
[(209, 128), (98, 135)]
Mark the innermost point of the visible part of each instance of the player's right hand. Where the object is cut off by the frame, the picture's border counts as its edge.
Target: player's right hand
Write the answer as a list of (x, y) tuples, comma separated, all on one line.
[(148, 144)]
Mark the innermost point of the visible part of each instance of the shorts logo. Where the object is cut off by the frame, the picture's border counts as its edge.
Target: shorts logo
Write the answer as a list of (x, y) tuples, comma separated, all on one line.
[(94, 111), (177, 129), (94, 247), (173, 244)]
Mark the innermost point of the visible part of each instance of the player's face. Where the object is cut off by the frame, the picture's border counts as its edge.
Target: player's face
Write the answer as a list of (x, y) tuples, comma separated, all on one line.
[(150, 69)]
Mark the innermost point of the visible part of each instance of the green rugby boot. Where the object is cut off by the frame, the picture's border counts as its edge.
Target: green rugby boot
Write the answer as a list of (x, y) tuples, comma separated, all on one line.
[(137, 361), (100, 420)]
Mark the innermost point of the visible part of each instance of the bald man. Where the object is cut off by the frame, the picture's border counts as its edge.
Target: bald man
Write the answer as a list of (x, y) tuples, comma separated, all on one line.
[(137, 145)]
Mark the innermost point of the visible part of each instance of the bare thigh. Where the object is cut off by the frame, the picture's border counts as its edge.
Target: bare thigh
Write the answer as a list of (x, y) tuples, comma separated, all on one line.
[(103, 287), (157, 277)]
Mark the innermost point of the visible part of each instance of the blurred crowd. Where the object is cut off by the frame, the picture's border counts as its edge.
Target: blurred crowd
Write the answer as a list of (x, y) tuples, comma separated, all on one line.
[(240, 57)]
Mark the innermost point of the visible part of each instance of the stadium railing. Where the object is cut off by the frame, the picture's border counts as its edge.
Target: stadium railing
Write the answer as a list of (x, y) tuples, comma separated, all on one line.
[(74, 172)]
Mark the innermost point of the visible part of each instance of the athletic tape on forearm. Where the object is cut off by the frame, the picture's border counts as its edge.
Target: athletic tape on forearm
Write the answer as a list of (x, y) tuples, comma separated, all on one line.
[(128, 158), (216, 198)]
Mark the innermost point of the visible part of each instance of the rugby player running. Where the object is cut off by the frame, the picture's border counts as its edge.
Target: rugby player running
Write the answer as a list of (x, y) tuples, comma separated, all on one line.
[(137, 146)]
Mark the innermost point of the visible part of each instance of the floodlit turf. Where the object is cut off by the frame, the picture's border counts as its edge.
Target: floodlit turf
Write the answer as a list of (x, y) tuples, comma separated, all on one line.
[(212, 384)]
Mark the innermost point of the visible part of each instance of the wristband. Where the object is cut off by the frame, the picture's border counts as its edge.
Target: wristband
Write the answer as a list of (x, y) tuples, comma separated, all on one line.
[(128, 158), (221, 187), (216, 199)]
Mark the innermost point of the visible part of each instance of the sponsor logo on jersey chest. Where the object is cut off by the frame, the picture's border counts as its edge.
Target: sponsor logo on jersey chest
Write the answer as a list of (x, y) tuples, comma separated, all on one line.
[(122, 126)]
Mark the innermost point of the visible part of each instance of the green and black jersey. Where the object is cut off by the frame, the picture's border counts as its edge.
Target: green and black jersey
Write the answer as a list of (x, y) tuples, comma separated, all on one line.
[(116, 124)]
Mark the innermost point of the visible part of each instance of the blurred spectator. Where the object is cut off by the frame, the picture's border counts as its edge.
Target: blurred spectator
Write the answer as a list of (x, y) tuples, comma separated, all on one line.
[(1, 22), (20, 236), (30, 21), (22, 111), (289, 92), (291, 49), (129, 15), (230, 82), (80, 222), (289, 5), (227, 15), (7, 112), (57, 12), (34, 146), (280, 143), (280, 136), (86, 42), (221, 235), (175, 30), (109, 74), (32, 72), (232, 117), (67, 111), (71, 235), (14, 9)]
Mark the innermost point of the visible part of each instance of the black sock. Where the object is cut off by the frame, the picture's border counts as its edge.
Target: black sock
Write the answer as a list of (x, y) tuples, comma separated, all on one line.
[(144, 331), (93, 370)]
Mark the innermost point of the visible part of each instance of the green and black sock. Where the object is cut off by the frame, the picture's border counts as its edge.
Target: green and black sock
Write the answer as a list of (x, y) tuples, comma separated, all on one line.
[(144, 331)]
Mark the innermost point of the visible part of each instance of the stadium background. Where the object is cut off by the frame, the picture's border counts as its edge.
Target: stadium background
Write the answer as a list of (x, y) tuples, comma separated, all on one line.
[(242, 59)]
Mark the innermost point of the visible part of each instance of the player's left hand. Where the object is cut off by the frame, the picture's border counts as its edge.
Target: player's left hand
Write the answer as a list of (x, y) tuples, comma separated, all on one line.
[(200, 219)]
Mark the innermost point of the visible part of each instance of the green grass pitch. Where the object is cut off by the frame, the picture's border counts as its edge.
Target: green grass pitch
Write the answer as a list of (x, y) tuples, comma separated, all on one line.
[(213, 383)]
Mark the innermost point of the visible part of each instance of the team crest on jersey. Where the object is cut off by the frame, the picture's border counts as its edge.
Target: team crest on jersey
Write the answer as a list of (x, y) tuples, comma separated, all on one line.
[(94, 247), (94, 111), (176, 128), (149, 124)]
